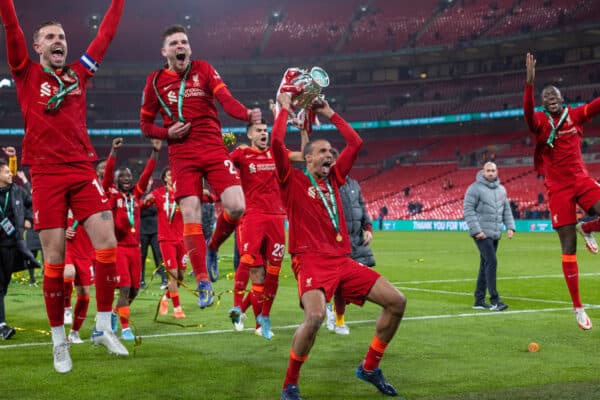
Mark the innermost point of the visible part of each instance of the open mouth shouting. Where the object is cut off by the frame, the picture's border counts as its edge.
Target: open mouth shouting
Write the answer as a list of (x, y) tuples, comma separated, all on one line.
[(180, 61), (326, 167), (57, 56)]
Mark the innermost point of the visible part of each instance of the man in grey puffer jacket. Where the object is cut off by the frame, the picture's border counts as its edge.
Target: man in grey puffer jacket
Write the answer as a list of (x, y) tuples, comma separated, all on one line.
[(358, 222), (486, 207)]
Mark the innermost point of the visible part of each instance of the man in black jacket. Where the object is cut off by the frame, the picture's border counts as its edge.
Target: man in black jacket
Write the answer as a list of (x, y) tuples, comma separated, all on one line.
[(15, 215)]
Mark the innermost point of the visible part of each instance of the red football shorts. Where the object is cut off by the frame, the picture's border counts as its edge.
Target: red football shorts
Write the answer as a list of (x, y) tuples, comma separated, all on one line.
[(584, 191), (314, 271), (58, 187), (172, 254), (263, 238), (129, 266), (215, 166)]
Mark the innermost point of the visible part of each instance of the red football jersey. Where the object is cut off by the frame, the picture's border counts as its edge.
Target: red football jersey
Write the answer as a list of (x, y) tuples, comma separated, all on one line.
[(170, 229), (563, 163), (202, 86), (55, 136), (80, 247), (127, 235), (259, 180), (311, 229)]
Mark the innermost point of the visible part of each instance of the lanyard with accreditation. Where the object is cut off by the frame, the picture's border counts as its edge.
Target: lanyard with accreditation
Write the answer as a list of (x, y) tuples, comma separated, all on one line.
[(7, 226)]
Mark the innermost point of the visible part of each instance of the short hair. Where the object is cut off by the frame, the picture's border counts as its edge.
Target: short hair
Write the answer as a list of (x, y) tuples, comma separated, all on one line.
[(551, 87), (308, 148), (3, 163), (119, 171), (163, 173), (36, 32), (171, 30), (251, 124), (99, 161)]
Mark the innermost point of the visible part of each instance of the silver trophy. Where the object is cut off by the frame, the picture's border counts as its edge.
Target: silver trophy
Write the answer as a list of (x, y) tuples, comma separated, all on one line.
[(304, 87)]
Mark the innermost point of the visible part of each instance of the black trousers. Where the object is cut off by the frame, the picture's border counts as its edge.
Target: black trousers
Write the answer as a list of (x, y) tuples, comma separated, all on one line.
[(9, 255), (487, 270), (152, 241)]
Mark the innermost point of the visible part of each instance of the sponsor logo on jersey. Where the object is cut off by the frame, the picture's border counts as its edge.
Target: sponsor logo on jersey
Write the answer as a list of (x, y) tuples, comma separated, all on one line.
[(252, 168), (45, 89), (172, 97)]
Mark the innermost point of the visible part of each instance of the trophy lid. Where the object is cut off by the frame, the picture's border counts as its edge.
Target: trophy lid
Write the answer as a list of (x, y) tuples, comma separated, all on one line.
[(320, 77)]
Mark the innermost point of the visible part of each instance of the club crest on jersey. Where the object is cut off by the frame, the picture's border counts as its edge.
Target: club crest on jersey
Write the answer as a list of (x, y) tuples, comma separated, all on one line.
[(119, 203), (311, 192), (196, 80), (252, 168), (67, 78), (45, 89), (308, 282)]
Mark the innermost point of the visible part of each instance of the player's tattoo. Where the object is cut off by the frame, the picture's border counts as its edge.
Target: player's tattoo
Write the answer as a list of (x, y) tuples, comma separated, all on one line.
[(106, 215)]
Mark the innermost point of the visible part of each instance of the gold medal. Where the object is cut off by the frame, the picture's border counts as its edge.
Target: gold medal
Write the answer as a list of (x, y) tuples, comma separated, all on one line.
[(132, 230), (338, 237)]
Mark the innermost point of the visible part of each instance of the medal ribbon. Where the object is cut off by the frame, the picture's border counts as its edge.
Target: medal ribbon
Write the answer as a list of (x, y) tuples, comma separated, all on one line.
[(170, 213), (3, 209), (180, 95), (550, 141), (55, 101), (331, 210), (130, 206)]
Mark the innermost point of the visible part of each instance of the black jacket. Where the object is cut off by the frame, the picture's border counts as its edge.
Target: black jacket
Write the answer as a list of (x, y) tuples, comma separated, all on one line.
[(20, 203), (357, 220)]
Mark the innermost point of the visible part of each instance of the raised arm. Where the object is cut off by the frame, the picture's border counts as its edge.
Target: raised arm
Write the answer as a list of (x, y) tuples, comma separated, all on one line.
[(11, 152), (109, 170), (142, 183), (298, 156), (16, 46), (353, 142), (234, 108), (229, 103), (106, 32), (528, 103), (280, 153)]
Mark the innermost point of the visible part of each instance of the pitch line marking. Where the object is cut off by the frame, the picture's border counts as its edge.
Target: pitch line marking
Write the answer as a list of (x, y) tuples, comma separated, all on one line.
[(503, 278), (471, 295), (360, 322)]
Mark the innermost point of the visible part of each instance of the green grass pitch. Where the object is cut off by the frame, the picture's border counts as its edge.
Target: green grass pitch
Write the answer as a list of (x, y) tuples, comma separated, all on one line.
[(443, 349)]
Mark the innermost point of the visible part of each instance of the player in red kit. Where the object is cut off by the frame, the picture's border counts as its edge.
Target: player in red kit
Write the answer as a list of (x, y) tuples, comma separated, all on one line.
[(558, 133), (261, 234), (184, 92), (51, 95), (126, 200), (79, 268), (319, 245), (170, 240)]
